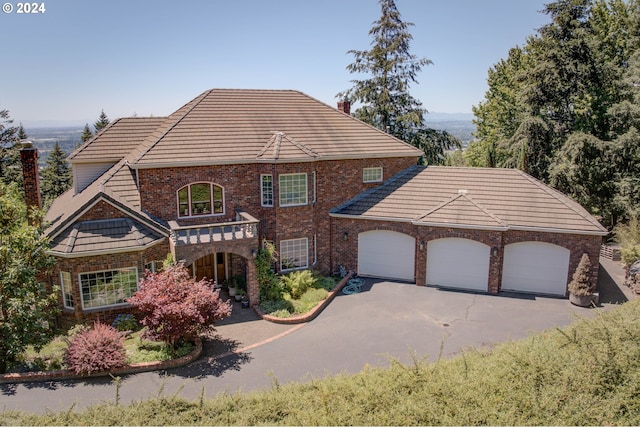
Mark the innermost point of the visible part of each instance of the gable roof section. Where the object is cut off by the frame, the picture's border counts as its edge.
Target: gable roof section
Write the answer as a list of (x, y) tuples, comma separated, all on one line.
[(233, 126), (116, 140), (496, 199), (86, 238)]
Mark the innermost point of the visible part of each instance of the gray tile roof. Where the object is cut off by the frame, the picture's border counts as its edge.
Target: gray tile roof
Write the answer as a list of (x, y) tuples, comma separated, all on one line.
[(496, 199), (86, 237)]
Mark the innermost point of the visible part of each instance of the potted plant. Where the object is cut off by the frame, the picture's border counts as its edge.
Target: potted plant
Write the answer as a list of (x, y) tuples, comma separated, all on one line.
[(239, 294), (580, 288)]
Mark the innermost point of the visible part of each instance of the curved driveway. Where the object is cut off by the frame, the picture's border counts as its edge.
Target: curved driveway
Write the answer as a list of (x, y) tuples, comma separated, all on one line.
[(387, 319)]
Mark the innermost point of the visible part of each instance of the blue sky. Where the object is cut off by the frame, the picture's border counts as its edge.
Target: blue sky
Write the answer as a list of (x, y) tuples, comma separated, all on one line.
[(149, 57)]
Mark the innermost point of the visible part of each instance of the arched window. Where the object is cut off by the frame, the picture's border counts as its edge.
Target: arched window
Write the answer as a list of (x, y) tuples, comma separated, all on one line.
[(201, 198)]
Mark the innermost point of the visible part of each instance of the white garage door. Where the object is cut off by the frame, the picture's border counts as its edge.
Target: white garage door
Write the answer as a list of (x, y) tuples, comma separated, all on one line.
[(386, 254), (535, 267), (458, 263)]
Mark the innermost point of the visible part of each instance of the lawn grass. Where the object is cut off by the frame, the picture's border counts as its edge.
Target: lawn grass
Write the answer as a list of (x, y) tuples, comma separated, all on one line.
[(585, 374), (139, 350)]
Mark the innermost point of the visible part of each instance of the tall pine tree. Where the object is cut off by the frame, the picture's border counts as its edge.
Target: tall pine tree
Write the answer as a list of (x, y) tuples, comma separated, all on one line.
[(56, 176), (86, 133), (102, 122), (10, 167), (384, 96)]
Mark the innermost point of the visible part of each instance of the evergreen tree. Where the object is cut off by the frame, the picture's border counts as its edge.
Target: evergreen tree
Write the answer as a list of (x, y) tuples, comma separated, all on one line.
[(86, 133), (385, 98), (22, 135), (101, 123), (10, 166), (26, 306), (56, 176)]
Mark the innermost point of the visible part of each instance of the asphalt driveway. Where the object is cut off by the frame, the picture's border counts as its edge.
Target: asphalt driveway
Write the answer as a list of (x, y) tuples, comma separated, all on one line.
[(386, 320)]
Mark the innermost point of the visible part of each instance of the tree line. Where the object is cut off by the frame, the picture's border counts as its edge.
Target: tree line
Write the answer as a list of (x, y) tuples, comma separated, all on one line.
[(565, 107)]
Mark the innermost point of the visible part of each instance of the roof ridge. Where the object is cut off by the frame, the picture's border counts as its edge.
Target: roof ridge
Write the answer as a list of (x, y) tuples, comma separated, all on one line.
[(155, 141), (562, 199), (276, 140), (473, 202)]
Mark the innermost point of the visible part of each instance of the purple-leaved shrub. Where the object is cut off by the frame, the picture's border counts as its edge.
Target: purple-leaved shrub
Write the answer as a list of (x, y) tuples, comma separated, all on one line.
[(98, 349)]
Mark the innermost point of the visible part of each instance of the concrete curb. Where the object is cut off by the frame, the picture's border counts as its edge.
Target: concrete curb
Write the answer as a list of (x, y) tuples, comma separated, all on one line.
[(307, 317), (129, 369)]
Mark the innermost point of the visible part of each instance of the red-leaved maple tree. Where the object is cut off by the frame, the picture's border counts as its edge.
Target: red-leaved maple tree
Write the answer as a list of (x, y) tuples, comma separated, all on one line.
[(174, 306)]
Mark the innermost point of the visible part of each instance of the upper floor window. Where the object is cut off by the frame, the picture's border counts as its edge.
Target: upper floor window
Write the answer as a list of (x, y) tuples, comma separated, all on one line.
[(293, 189), (201, 198), (266, 190), (372, 174)]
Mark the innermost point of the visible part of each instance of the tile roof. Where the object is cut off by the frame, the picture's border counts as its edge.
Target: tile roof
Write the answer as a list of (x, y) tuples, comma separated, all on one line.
[(496, 199), (116, 140), (235, 126), (111, 235)]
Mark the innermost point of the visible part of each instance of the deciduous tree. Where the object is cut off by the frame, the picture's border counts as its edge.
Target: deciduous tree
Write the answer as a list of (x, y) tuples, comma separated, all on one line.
[(174, 306), (27, 307)]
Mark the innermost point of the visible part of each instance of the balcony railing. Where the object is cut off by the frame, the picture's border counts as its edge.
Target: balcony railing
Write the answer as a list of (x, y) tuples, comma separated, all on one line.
[(244, 227)]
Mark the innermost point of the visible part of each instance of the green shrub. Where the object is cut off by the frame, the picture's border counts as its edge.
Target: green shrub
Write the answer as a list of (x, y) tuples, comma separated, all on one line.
[(327, 283), (125, 322), (270, 307), (308, 300), (95, 350), (627, 235), (297, 282)]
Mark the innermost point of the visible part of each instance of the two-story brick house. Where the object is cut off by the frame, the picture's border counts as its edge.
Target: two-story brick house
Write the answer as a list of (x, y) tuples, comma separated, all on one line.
[(233, 167)]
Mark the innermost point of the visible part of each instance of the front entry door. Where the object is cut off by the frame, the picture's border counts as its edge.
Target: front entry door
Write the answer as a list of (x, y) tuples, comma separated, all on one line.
[(213, 267), (205, 267)]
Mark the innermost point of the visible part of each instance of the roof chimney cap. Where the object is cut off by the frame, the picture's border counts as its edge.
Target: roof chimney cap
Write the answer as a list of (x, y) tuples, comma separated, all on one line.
[(26, 144)]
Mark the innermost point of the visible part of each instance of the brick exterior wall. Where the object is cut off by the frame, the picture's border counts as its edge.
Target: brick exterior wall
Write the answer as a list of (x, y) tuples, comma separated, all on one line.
[(335, 182), (346, 252), (76, 266)]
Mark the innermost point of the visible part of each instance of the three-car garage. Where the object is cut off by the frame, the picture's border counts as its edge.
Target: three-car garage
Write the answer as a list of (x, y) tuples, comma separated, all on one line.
[(461, 263)]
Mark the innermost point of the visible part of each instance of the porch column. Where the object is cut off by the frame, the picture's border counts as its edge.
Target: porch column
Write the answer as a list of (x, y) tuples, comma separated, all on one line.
[(253, 288)]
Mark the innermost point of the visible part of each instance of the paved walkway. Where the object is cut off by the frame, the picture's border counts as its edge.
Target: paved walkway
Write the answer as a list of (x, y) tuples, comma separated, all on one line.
[(386, 320)]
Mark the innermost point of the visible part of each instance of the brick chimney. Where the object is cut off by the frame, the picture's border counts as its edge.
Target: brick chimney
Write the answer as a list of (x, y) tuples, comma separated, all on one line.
[(29, 158), (344, 106)]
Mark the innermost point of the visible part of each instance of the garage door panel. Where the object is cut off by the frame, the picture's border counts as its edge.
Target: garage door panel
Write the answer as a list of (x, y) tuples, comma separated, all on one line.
[(458, 263), (388, 254), (535, 267)]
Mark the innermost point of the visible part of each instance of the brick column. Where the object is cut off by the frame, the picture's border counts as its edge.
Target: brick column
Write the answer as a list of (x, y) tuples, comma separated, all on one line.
[(253, 288)]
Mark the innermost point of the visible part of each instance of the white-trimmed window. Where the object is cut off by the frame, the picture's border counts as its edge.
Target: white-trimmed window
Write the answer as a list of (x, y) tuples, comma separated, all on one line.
[(200, 198), (108, 288), (372, 174), (67, 289), (266, 190), (154, 266), (293, 189), (294, 254)]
